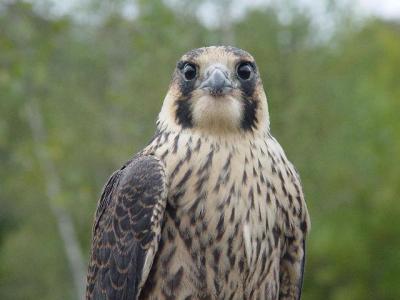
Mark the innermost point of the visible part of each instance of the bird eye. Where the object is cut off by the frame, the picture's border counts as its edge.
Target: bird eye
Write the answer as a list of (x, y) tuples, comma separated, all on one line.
[(244, 70), (189, 71)]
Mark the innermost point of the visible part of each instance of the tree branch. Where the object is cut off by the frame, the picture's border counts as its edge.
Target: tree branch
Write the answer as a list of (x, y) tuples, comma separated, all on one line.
[(52, 180)]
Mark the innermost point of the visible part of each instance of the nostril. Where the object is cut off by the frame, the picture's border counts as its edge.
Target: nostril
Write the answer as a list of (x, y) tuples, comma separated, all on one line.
[(216, 81), (218, 78)]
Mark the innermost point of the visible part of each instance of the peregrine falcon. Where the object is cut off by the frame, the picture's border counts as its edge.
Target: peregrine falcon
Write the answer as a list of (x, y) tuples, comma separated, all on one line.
[(211, 208)]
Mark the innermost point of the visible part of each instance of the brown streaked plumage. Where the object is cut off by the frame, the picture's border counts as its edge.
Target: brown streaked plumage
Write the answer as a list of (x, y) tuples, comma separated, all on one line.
[(211, 208)]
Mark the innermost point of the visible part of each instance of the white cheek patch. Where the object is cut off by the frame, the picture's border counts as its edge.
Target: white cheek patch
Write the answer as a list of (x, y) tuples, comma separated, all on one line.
[(222, 113)]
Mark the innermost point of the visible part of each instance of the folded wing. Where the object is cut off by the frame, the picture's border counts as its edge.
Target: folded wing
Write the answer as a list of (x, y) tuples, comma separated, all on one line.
[(127, 229)]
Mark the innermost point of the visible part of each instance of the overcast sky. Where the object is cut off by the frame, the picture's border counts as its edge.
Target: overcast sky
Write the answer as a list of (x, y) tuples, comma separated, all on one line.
[(385, 8), (389, 9)]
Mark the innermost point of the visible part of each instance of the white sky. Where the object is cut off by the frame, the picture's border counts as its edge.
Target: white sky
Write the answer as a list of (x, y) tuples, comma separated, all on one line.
[(389, 9), (386, 8)]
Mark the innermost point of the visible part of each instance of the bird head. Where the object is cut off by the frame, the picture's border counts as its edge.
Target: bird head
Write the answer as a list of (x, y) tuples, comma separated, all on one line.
[(216, 89)]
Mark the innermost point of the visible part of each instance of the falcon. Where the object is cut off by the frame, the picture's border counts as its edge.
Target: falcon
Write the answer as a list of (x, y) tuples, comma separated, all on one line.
[(211, 208)]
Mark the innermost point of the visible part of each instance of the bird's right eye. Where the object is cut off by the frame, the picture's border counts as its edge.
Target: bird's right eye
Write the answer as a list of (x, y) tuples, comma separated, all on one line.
[(189, 71)]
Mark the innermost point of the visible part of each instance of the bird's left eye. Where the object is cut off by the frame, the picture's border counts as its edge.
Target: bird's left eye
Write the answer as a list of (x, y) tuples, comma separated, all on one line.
[(244, 70), (189, 71)]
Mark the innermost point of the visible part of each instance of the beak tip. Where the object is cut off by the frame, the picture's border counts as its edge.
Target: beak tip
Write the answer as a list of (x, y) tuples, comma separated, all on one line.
[(217, 83)]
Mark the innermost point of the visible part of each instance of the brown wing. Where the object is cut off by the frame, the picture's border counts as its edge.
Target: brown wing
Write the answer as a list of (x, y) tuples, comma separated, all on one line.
[(127, 230), (292, 269), (293, 259)]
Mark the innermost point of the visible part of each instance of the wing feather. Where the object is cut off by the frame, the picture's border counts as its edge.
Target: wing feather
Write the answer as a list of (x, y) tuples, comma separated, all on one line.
[(127, 229), (301, 277)]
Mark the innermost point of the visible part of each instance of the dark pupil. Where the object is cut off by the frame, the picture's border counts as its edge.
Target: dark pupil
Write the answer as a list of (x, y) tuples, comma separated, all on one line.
[(244, 71), (189, 71)]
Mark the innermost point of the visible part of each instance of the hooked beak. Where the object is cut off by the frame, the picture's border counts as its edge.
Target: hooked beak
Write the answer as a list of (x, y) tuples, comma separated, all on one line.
[(216, 81)]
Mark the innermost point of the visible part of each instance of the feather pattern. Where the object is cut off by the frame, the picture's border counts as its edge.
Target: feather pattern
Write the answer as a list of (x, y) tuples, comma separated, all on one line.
[(211, 208), (127, 229)]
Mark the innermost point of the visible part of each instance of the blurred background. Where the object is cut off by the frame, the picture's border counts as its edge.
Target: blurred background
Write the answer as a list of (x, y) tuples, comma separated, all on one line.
[(81, 84)]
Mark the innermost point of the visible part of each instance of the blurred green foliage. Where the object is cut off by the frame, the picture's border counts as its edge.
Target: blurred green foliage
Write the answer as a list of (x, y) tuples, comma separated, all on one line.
[(334, 105)]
